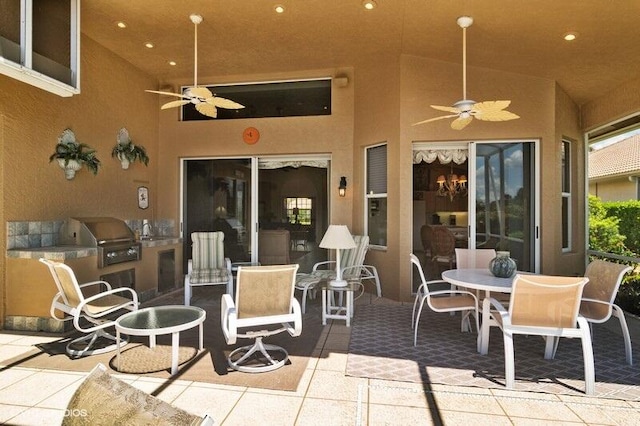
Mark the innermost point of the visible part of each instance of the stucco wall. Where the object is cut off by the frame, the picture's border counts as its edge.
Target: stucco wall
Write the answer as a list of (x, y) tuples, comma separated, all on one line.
[(32, 119), (614, 190), (616, 104)]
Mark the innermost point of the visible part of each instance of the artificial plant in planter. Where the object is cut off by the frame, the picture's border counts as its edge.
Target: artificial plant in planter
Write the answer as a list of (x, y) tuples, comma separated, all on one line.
[(127, 152), (72, 155)]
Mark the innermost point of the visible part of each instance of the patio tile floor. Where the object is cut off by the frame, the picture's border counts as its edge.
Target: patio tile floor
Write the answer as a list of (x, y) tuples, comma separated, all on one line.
[(324, 396)]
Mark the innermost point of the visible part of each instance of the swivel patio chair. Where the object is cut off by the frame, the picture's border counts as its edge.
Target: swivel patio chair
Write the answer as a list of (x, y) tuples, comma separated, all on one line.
[(208, 266), (442, 301), (546, 306), (264, 299), (98, 310), (597, 299)]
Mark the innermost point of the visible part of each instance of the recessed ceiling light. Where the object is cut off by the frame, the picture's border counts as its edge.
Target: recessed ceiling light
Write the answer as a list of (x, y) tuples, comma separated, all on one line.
[(149, 45), (172, 63), (121, 24), (369, 4), (570, 36), (279, 8)]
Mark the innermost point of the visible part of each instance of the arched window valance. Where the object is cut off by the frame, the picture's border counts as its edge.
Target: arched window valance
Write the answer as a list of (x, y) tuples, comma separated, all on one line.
[(445, 156)]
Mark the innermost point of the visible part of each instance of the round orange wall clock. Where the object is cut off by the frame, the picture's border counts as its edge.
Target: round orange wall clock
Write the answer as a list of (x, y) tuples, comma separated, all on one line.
[(250, 135)]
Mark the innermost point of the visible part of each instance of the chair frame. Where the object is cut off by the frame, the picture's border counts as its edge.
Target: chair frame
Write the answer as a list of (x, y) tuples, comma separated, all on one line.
[(187, 278), (98, 318), (232, 322), (550, 333), (611, 309), (424, 294)]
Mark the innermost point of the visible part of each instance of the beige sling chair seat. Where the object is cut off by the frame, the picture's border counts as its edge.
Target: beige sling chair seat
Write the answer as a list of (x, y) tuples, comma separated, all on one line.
[(264, 298), (98, 310), (545, 306), (102, 399)]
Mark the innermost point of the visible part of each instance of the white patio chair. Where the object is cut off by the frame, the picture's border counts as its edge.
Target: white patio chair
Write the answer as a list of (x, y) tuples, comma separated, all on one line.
[(352, 264), (264, 299), (442, 301), (597, 299), (545, 306), (208, 266), (98, 310)]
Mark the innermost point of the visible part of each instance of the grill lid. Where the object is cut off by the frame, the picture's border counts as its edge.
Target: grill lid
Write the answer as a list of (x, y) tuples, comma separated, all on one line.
[(94, 231)]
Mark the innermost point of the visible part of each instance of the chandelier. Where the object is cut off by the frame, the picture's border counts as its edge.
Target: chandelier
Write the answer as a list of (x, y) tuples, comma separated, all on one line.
[(452, 185)]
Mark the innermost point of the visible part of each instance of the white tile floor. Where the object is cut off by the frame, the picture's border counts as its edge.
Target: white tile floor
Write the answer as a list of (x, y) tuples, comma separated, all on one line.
[(325, 396)]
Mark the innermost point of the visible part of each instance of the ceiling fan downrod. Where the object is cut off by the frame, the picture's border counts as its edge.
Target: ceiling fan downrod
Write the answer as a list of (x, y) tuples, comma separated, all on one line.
[(464, 22)]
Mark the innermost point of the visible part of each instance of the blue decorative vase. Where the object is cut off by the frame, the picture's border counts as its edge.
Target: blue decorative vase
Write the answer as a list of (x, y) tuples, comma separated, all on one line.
[(502, 265)]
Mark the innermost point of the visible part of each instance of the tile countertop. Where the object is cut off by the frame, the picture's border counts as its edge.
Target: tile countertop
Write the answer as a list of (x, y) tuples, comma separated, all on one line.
[(61, 253)]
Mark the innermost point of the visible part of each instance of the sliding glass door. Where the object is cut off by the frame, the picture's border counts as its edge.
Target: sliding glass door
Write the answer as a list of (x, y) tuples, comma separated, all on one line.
[(240, 196), (504, 192)]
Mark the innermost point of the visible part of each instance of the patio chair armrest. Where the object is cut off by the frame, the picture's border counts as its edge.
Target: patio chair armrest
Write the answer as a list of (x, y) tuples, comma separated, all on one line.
[(57, 306), (297, 323), (134, 300), (602, 302), (326, 264), (227, 264), (189, 266), (92, 283), (228, 317), (499, 309), (450, 292)]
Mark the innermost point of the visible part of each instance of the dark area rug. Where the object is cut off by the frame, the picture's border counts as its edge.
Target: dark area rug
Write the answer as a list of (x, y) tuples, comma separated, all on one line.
[(209, 365), (381, 347)]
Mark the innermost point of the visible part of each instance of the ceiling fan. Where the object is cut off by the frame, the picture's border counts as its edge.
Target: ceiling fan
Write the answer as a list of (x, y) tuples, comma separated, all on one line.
[(206, 103), (465, 110)]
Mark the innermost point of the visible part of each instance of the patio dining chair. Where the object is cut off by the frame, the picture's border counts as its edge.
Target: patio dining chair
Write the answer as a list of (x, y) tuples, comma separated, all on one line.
[(91, 315), (546, 306), (442, 301), (208, 265), (597, 299)]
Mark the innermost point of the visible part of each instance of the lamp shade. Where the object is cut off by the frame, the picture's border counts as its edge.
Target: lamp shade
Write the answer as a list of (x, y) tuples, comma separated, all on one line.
[(337, 237)]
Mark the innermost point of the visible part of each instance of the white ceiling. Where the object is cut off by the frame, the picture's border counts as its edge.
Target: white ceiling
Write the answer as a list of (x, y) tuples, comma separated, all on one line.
[(246, 36)]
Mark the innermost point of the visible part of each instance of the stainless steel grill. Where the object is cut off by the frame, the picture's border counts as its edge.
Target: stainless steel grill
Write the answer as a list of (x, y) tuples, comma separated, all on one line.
[(114, 239)]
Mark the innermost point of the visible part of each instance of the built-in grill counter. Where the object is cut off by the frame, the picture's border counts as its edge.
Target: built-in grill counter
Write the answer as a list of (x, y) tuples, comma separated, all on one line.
[(95, 248)]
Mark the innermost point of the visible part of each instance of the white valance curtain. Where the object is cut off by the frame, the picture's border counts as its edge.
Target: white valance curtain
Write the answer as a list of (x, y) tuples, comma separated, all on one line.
[(275, 164), (445, 156)]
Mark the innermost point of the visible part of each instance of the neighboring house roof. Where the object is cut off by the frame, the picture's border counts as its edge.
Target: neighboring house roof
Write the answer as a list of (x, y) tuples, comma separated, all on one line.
[(619, 159)]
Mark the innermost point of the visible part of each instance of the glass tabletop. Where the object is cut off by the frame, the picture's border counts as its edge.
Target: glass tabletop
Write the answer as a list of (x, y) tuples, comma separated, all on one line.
[(158, 317)]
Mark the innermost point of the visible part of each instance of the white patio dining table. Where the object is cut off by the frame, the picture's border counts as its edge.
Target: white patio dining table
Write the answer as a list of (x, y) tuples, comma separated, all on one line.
[(481, 280)]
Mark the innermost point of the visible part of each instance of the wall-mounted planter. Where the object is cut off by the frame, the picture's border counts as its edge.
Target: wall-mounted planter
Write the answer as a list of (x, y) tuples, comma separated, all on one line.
[(127, 152), (72, 155)]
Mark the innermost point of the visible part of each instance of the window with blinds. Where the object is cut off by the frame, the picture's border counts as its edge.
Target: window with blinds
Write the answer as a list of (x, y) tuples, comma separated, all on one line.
[(376, 194)]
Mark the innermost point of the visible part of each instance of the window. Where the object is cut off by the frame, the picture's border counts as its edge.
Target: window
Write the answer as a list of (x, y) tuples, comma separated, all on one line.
[(376, 195), (299, 210), (566, 196), (274, 99), (40, 44)]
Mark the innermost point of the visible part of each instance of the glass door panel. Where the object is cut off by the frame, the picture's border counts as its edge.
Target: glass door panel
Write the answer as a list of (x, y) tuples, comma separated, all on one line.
[(217, 197), (505, 200)]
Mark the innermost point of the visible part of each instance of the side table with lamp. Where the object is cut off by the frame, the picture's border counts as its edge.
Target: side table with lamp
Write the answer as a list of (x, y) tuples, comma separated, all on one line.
[(339, 238)]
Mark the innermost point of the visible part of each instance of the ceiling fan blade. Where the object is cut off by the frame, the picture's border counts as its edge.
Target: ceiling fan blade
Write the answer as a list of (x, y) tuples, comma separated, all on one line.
[(490, 106), (168, 94), (497, 116), (434, 119), (223, 103), (461, 122), (174, 104), (207, 109), (199, 92), (446, 108)]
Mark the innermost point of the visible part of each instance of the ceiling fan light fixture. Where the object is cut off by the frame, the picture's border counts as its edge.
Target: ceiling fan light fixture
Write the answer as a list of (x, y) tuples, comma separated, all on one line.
[(466, 110), (205, 102)]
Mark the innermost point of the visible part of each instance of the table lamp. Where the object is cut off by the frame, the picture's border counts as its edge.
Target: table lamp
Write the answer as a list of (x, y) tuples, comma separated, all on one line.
[(338, 237)]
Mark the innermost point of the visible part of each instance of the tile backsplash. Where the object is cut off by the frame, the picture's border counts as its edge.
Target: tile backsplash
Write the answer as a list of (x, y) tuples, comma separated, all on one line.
[(34, 234)]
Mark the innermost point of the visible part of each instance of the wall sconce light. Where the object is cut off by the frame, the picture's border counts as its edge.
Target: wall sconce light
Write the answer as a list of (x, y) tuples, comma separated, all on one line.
[(342, 189)]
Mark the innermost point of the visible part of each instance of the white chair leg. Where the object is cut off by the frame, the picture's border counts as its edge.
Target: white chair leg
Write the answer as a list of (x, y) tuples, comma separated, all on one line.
[(304, 300), (509, 368), (415, 331), (187, 294), (551, 346), (484, 348), (625, 333), (587, 354)]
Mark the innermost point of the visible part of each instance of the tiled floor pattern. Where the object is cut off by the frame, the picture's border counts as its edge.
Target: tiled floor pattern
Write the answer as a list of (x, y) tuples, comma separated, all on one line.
[(325, 396)]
